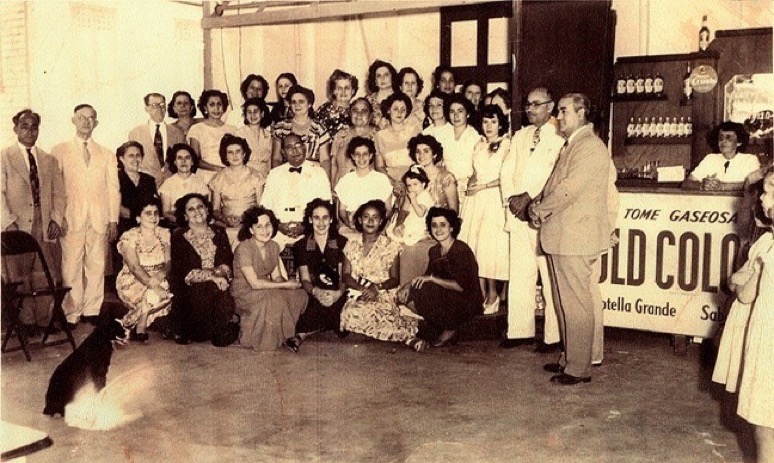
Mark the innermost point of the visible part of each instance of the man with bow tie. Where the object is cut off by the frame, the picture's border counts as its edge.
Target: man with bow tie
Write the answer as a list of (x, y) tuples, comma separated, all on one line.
[(33, 200), (291, 186)]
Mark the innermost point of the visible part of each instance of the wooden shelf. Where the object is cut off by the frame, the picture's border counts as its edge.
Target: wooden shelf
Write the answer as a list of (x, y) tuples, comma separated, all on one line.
[(658, 141), (641, 97)]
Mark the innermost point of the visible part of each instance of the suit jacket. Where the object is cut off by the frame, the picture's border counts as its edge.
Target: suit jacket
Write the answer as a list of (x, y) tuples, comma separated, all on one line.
[(17, 202), (93, 196), (574, 206), (150, 162)]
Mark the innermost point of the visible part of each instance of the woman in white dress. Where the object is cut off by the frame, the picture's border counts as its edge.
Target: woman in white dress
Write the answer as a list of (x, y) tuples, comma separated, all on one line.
[(205, 136), (256, 131), (757, 386), (436, 107), (458, 141), (392, 155), (483, 215)]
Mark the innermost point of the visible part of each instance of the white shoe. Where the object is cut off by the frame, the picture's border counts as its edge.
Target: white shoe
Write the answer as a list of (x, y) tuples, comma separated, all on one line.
[(493, 308)]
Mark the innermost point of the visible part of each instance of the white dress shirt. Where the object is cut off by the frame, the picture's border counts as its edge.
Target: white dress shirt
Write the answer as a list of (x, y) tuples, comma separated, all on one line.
[(287, 193)]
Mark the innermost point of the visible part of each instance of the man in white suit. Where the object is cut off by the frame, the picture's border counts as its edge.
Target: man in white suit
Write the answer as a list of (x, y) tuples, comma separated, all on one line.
[(524, 173), (33, 201), (91, 215), (156, 136)]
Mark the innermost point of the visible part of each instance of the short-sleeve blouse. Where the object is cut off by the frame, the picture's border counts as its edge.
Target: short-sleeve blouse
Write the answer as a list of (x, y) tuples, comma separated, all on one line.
[(375, 266), (437, 187), (314, 135), (152, 256), (307, 253), (333, 117)]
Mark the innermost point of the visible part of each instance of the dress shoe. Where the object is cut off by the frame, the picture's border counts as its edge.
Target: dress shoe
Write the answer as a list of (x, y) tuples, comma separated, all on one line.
[(72, 326), (90, 319), (292, 344), (543, 348), (511, 343), (182, 340), (569, 380), (493, 307), (553, 368)]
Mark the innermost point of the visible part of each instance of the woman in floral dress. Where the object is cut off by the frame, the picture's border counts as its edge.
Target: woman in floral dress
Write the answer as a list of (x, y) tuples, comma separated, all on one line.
[(371, 272)]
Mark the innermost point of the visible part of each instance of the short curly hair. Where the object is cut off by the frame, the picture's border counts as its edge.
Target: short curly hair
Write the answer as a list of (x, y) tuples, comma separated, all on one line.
[(444, 97), (454, 221), (409, 70), (492, 111), (460, 99), (357, 142), (338, 75), (250, 217), (171, 105), (390, 100), (439, 70), (417, 173), (172, 156), (265, 111), (248, 80), (308, 94), (333, 231), (742, 137), (181, 204), (205, 97), (145, 201), (371, 80), (376, 204), (430, 141), (228, 140)]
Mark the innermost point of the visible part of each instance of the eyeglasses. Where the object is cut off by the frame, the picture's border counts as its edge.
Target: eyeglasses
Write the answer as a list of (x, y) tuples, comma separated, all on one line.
[(156, 105), (535, 104), (293, 147)]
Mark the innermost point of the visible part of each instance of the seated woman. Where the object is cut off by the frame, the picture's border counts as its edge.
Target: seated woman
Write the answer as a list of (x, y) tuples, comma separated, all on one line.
[(371, 273), (448, 294), (360, 117), (142, 282), (201, 271), (364, 184), (183, 162), (237, 187), (727, 168), (136, 187), (334, 113), (269, 304), (256, 131), (319, 259)]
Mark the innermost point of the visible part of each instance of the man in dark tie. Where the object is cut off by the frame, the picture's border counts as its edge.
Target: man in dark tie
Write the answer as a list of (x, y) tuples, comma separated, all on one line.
[(155, 136), (33, 200), (572, 214), (291, 186)]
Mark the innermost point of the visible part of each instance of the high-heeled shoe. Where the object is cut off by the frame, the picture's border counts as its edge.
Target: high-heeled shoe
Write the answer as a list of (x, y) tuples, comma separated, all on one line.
[(493, 307)]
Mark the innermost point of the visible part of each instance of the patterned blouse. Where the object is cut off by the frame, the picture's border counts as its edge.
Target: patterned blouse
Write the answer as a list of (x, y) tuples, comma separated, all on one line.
[(437, 187), (313, 135), (333, 117), (374, 266), (204, 245)]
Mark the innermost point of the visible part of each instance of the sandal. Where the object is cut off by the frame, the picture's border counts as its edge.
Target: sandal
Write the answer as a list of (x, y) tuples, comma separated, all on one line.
[(292, 343), (417, 344)]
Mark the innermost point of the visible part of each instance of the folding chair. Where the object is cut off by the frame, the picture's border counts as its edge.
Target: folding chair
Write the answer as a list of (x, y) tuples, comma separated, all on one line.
[(16, 243)]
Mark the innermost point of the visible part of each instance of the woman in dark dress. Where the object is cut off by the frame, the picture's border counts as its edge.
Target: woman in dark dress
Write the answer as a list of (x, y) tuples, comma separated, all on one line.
[(136, 187), (319, 258), (201, 272), (448, 294)]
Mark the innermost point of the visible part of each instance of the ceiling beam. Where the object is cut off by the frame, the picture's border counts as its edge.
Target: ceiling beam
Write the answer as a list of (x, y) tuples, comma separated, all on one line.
[(317, 11)]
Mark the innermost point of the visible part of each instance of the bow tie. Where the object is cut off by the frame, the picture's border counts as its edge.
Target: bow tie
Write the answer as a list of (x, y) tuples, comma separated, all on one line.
[(295, 169)]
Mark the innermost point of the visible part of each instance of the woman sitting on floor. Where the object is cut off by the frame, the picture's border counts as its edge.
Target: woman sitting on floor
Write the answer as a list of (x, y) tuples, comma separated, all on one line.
[(267, 301), (142, 282), (319, 258), (201, 271), (448, 294), (371, 264)]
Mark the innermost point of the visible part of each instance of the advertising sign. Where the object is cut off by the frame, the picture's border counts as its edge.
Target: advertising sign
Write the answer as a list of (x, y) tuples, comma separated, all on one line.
[(669, 271)]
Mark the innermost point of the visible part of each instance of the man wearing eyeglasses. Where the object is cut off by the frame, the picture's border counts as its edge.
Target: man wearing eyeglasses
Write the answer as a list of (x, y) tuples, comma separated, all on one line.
[(572, 213), (156, 136), (291, 186), (91, 215), (529, 163)]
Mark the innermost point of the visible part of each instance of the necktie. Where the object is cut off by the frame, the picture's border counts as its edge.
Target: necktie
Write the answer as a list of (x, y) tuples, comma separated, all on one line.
[(158, 145), (725, 166), (34, 180), (86, 154), (297, 170), (535, 139)]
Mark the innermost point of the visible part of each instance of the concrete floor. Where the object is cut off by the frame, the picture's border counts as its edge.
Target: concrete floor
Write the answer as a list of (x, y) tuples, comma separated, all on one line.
[(360, 400)]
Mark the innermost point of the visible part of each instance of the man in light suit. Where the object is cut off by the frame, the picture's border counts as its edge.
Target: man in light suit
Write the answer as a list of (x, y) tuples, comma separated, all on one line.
[(524, 173), (33, 201), (91, 215), (574, 229), (155, 136)]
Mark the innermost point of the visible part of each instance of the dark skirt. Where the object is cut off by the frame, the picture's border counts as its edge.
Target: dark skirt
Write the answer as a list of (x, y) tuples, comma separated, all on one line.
[(202, 312), (442, 309)]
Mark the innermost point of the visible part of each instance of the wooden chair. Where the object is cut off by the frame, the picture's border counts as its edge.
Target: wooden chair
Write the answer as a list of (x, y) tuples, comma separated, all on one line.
[(15, 243)]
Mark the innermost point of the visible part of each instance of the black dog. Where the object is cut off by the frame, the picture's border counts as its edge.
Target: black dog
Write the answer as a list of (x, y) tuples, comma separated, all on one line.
[(89, 362)]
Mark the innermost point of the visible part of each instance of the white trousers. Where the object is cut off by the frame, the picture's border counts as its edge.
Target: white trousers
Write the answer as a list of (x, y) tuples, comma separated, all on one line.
[(526, 260), (84, 254)]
